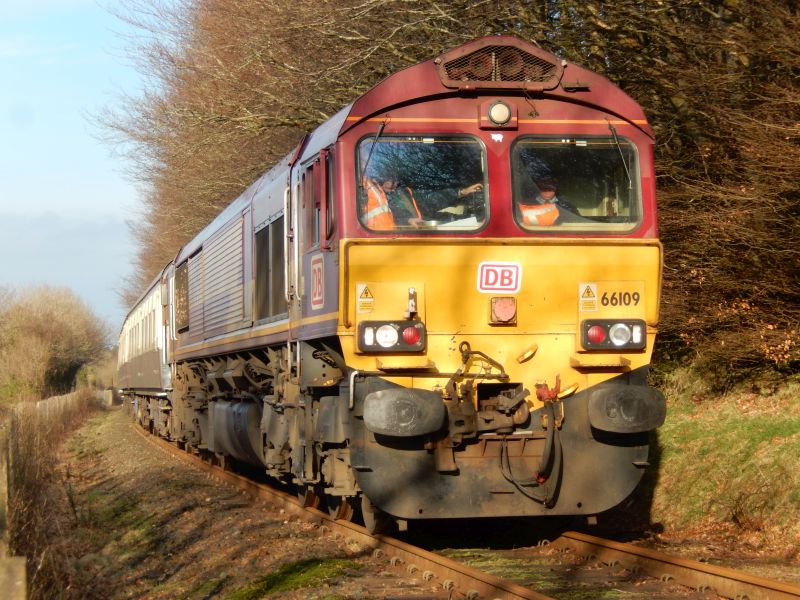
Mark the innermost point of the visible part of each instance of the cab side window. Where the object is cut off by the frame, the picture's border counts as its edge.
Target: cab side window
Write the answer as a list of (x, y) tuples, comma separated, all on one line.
[(182, 297), (270, 271), (310, 205)]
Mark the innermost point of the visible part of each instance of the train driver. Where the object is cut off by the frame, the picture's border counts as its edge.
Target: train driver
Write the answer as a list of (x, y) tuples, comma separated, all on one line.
[(389, 204), (546, 208)]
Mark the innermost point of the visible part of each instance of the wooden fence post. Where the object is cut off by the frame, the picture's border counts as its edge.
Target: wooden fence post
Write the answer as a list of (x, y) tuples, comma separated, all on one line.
[(5, 426), (13, 578)]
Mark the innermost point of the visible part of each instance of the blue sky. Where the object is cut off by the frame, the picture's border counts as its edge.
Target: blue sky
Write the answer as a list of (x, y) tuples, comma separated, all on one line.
[(63, 197)]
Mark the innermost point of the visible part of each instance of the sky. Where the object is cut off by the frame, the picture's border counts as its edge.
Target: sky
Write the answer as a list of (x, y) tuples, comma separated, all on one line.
[(64, 196)]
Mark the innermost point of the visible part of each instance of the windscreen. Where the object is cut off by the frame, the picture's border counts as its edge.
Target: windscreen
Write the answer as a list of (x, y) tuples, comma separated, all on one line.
[(422, 183), (589, 183)]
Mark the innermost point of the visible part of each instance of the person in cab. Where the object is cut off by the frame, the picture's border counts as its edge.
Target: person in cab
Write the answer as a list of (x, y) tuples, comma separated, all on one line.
[(545, 208), (389, 205)]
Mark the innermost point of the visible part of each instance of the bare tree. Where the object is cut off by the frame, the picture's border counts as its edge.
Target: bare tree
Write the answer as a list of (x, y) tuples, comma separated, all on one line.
[(236, 82)]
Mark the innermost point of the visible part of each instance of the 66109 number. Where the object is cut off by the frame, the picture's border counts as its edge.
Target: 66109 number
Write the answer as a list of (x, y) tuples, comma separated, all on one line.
[(620, 299)]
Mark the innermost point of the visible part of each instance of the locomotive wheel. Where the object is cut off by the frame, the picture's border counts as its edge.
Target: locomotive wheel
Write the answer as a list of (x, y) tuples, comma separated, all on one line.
[(307, 496), (222, 461), (340, 508), (375, 520)]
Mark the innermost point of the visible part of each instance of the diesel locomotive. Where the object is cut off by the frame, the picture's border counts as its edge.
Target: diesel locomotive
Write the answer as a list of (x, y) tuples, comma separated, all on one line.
[(441, 304)]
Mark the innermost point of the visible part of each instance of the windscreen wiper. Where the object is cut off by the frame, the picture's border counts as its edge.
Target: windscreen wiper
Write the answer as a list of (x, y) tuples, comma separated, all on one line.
[(371, 150), (621, 155)]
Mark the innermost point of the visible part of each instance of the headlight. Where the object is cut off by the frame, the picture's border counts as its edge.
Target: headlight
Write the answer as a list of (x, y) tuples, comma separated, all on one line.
[(619, 334), (613, 334), (386, 336), (391, 336), (500, 113)]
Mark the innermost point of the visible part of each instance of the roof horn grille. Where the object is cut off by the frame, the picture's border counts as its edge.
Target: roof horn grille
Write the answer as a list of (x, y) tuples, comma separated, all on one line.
[(499, 66)]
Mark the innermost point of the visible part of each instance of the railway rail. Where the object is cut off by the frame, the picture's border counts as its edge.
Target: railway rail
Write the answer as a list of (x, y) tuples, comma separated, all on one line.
[(723, 581), (458, 580)]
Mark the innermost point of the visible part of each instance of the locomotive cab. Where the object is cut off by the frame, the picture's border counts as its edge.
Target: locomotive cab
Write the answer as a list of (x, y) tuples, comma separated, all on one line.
[(500, 293)]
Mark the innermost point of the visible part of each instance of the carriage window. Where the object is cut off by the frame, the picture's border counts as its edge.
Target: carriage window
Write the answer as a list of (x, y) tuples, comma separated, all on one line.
[(421, 184), (575, 184)]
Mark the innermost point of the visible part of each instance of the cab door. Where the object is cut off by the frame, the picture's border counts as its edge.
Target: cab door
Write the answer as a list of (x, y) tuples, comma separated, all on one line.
[(314, 247)]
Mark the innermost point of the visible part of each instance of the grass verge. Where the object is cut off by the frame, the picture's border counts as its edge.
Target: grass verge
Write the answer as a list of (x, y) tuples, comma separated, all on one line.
[(36, 431), (729, 463), (310, 572)]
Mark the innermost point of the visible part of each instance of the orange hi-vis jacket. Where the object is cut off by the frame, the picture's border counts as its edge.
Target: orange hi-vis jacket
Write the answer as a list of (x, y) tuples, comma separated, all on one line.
[(378, 215), (542, 214)]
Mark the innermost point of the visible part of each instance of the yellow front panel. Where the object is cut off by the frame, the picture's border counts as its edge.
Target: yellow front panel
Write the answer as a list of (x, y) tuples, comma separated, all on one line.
[(559, 284)]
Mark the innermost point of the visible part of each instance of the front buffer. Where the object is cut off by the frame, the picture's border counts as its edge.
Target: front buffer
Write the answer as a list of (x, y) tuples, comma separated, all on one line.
[(418, 455)]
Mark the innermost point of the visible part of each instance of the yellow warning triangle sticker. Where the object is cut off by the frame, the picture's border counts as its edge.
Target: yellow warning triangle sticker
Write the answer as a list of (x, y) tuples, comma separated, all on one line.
[(587, 292), (366, 293)]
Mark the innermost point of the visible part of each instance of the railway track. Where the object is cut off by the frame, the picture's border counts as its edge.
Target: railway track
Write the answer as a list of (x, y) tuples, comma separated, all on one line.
[(722, 581), (655, 574)]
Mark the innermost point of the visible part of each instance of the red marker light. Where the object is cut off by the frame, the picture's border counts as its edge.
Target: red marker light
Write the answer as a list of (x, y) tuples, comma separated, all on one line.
[(596, 334), (411, 335)]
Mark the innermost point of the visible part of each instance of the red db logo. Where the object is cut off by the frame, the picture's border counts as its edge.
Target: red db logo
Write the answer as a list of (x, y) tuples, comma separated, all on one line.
[(317, 282), (499, 277)]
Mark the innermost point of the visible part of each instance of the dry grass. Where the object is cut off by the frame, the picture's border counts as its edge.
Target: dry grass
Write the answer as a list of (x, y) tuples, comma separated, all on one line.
[(38, 495), (47, 335)]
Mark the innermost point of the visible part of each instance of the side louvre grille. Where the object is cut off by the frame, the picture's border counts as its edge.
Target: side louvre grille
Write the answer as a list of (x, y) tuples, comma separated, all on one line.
[(224, 278), (216, 286), (499, 66)]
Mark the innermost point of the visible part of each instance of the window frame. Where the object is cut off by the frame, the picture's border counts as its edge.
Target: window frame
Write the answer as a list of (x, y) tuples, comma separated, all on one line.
[(416, 231), (591, 224), (269, 264)]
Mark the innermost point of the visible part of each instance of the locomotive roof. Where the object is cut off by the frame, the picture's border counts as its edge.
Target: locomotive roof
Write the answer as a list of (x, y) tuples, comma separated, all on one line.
[(545, 75), (566, 81)]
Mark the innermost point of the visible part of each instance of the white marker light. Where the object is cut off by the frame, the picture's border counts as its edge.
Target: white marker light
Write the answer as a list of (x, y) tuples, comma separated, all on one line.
[(369, 336)]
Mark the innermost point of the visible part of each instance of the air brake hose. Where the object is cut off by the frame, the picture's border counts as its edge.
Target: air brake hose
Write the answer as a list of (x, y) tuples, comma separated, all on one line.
[(544, 485), (544, 462)]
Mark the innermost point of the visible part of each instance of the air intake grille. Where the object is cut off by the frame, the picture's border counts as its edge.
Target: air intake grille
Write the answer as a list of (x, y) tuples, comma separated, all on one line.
[(499, 66)]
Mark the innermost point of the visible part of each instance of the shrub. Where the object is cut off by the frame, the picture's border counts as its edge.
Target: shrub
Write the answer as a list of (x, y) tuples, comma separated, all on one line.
[(46, 335)]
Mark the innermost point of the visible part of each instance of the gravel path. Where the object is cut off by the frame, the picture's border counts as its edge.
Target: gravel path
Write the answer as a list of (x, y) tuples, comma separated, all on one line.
[(152, 526)]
